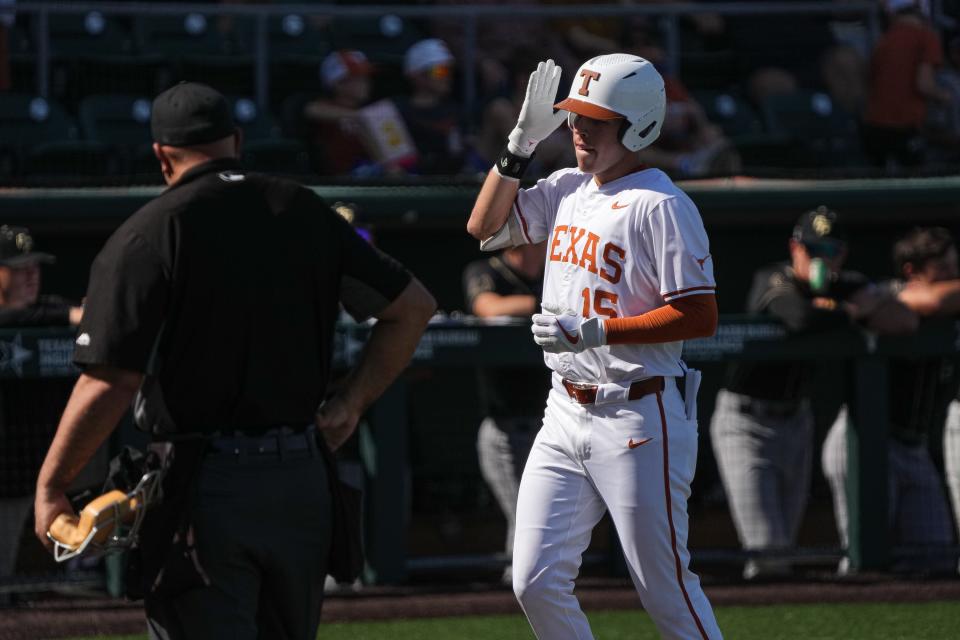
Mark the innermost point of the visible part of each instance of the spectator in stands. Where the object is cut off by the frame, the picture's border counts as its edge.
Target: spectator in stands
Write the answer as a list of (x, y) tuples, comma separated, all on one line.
[(511, 398), (430, 113), (943, 119), (919, 391), (333, 127), (762, 427), (20, 301), (23, 443), (902, 86)]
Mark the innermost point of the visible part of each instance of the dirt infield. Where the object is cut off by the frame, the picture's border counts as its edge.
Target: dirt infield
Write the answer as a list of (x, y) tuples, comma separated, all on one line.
[(59, 618)]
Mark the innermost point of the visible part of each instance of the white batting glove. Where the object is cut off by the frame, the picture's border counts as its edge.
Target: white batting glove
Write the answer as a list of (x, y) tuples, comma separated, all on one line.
[(560, 333), (537, 119)]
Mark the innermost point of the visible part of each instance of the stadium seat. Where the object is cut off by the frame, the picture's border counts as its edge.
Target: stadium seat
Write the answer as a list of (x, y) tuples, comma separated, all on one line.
[(298, 45), (295, 38), (291, 113), (257, 123), (176, 36), (201, 48), (88, 34), (120, 122), (144, 167), (39, 139), (70, 160), (89, 52), (116, 119), (824, 134), (264, 147), (384, 39), (712, 70), (730, 112), (27, 120), (277, 156)]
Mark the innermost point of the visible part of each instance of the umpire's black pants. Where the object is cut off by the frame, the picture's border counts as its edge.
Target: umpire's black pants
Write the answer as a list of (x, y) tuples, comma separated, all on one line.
[(262, 526)]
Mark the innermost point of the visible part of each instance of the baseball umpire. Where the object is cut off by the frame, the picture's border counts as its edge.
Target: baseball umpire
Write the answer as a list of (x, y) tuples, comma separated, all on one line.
[(215, 306)]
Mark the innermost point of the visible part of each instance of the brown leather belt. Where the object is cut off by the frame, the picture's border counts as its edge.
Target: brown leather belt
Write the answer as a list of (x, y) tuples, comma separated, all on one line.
[(585, 393)]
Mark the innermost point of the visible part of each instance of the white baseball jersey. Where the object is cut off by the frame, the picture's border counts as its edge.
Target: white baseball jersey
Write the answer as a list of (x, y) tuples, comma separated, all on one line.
[(619, 249)]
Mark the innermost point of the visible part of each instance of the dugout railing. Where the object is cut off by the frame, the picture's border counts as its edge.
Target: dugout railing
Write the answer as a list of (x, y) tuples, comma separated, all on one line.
[(45, 353)]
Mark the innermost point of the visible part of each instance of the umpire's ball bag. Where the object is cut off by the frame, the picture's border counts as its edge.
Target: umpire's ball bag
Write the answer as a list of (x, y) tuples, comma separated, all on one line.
[(164, 561)]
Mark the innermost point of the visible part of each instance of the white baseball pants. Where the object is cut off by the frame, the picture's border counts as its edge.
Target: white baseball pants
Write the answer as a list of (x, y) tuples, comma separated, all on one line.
[(581, 465)]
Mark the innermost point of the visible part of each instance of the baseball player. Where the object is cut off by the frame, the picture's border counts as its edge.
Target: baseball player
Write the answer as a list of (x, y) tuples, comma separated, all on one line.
[(920, 390), (932, 288), (628, 277), (507, 285), (762, 428)]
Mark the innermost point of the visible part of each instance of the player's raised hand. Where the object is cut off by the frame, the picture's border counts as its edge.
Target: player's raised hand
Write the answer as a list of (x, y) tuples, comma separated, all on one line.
[(564, 332), (537, 117)]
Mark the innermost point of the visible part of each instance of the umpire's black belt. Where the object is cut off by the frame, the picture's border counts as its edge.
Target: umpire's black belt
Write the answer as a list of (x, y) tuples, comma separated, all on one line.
[(274, 443)]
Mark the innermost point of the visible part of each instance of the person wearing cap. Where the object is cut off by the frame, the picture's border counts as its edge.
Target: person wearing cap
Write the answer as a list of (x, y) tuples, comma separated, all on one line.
[(432, 116), (23, 441), (628, 278), (332, 127), (919, 392), (214, 306), (20, 301), (762, 426)]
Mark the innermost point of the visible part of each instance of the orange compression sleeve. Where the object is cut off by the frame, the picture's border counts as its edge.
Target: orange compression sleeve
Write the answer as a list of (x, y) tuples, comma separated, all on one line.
[(681, 319)]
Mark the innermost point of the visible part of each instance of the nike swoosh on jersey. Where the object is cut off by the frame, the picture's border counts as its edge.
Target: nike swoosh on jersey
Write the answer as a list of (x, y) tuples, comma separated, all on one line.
[(634, 445), (572, 339), (616, 205)]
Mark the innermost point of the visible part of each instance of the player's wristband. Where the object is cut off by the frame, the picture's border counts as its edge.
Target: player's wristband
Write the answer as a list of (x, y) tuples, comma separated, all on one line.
[(510, 165)]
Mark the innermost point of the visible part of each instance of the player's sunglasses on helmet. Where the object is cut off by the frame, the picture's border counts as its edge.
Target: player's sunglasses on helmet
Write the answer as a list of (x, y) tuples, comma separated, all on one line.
[(440, 71), (826, 249)]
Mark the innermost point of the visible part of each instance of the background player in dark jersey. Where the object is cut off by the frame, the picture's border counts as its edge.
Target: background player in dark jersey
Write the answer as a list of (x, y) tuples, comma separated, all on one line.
[(28, 417), (762, 427), (919, 391), (511, 398)]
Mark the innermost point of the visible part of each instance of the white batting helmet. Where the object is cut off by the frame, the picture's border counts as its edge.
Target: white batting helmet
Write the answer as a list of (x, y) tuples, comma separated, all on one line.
[(620, 85)]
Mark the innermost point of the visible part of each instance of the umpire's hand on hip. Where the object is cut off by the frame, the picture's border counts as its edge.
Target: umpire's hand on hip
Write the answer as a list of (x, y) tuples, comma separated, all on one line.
[(336, 421), (564, 332)]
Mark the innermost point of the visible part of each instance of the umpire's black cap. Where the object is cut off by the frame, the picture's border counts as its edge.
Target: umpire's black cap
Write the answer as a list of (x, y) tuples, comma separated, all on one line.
[(818, 229), (190, 113)]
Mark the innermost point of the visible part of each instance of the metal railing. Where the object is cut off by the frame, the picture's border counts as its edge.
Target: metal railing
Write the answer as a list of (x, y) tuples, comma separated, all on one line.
[(384, 446)]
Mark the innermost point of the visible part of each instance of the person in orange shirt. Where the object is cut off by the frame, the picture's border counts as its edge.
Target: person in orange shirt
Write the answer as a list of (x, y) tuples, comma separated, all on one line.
[(901, 86)]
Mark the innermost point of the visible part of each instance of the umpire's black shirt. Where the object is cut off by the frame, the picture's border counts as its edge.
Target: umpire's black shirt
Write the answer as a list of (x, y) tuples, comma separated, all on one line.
[(225, 290)]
